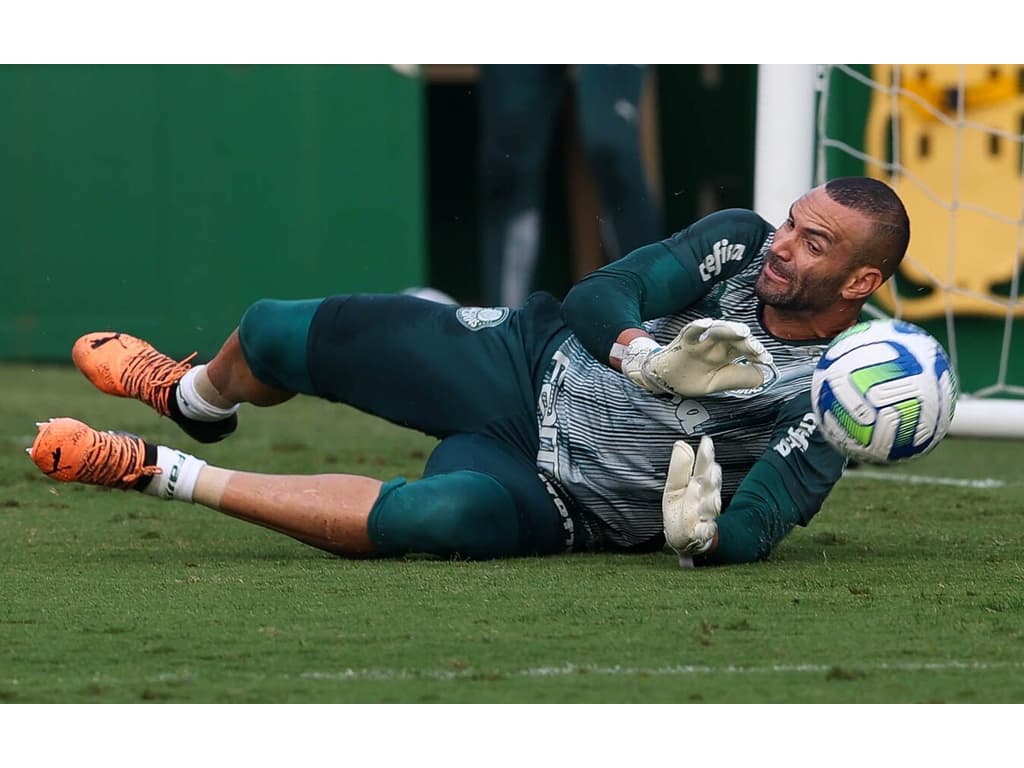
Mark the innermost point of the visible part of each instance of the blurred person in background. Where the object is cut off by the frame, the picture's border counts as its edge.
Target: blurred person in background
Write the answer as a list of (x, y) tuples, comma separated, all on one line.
[(519, 109)]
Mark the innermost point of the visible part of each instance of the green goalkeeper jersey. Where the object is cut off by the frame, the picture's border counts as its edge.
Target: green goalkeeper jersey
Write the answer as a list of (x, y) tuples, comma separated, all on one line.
[(608, 441)]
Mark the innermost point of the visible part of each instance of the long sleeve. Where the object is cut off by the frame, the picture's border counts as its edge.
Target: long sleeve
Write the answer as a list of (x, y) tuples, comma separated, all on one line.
[(785, 487), (661, 278), (759, 516)]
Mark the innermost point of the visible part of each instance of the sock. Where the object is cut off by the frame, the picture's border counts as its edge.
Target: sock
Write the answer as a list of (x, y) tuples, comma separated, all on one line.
[(177, 479), (193, 405)]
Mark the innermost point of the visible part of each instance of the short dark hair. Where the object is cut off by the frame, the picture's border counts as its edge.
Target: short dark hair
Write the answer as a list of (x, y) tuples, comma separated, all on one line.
[(879, 202)]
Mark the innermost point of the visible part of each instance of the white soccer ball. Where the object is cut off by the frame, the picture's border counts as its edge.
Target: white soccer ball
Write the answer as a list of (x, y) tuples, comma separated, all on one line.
[(884, 392)]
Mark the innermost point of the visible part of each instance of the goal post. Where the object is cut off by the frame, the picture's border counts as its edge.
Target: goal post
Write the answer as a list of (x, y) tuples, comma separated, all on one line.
[(784, 138), (949, 139)]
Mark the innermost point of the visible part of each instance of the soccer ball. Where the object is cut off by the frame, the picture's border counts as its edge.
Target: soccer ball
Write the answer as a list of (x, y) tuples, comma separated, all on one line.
[(884, 392)]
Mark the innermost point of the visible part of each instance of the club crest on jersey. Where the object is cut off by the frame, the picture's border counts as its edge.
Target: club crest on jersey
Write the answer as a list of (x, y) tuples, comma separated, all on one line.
[(476, 318)]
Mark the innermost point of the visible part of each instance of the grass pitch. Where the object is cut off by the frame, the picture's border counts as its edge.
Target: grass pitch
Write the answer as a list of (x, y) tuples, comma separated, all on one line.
[(907, 587)]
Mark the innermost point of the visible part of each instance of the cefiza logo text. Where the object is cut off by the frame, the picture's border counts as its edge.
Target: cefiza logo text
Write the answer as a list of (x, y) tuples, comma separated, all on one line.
[(721, 252), (798, 437)]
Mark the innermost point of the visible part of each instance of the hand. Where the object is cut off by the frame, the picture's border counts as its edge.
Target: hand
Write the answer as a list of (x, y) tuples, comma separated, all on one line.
[(692, 499), (704, 358)]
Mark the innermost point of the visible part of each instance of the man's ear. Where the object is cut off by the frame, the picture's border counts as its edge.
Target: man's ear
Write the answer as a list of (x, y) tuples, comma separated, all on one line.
[(862, 283)]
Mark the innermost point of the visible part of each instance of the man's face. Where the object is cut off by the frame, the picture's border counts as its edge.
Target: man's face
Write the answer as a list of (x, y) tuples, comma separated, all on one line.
[(812, 256)]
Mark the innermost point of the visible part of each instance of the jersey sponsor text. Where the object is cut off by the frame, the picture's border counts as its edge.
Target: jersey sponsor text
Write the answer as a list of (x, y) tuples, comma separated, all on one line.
[(721, 253), (798, 437)]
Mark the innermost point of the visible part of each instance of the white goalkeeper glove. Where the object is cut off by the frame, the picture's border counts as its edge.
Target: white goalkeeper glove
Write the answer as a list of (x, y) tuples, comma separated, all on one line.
[(705, 357), (692, 500)]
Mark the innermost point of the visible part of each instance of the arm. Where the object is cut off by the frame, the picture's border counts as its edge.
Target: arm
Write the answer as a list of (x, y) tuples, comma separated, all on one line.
[(760, 515), (784, 488), (610, 305)]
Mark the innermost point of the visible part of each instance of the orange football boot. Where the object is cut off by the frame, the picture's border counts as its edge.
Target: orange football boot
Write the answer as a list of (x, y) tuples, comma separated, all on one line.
[(124, 366), (73, 452)]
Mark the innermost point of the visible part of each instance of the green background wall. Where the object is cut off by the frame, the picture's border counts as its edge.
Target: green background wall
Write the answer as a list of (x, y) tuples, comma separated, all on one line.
[(163, 200)]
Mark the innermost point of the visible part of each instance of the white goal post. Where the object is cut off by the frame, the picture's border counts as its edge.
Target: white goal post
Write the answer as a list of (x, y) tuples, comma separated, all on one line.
[(950, 139), (784, 140)]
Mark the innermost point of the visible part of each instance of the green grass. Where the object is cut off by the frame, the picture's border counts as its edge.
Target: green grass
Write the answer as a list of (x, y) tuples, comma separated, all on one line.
[(896, 592)]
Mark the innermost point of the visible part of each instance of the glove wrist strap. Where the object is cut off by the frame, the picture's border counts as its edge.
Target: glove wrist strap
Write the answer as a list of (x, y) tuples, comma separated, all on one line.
[(634, 357)]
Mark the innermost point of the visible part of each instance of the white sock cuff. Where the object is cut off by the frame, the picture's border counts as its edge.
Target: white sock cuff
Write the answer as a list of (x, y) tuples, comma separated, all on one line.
[(193, 405), (179, 472)]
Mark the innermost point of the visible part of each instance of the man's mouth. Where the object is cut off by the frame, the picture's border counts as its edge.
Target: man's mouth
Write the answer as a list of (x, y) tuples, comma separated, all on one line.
[(776, 274)]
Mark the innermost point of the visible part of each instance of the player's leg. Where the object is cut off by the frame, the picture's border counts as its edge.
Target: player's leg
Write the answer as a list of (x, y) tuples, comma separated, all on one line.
[(325, 511), (228, 380), (518, 109), (494, 505), (125, 366), (608, 99), (432, 367), (328, 511), (202, 399), (478, 498)]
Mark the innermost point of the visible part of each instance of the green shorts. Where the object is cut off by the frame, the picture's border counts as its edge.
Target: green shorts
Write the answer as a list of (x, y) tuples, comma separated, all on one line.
[(468, 376)]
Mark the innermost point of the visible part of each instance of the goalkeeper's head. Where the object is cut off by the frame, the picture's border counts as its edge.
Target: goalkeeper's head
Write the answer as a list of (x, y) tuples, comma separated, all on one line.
[(840, 242), (890, 234)]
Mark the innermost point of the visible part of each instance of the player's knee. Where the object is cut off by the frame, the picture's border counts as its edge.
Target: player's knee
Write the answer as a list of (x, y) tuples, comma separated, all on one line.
[(273, 336), (262, 334), (464, 513)]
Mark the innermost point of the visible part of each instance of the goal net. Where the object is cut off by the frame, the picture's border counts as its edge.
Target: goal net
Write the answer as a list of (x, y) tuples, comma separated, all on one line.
[(948, 138)]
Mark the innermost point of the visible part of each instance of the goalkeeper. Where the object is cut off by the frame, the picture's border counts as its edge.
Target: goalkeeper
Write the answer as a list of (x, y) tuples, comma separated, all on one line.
[(666, 400)]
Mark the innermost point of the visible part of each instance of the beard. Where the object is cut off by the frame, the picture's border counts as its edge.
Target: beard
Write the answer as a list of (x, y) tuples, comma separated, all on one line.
[(800, 293)]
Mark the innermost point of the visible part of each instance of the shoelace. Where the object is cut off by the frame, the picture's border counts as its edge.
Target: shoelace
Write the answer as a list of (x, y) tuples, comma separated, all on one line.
[(150, 375), (115, 460)]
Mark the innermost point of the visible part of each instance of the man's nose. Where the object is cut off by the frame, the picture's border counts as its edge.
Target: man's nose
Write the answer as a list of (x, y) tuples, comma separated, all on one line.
[(782, 245), (783, 254)]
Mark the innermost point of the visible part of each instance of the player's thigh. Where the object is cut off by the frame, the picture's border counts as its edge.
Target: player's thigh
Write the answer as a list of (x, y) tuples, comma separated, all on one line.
[(544, 521), (417, 364), (436, 368), (477, 500)]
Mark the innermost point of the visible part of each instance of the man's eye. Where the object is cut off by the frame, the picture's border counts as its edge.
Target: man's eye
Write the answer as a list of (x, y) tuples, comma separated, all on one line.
[(814, 248)]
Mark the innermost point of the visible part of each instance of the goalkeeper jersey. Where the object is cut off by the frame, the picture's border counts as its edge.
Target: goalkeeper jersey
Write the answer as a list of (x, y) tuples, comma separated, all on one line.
[(608, 441)]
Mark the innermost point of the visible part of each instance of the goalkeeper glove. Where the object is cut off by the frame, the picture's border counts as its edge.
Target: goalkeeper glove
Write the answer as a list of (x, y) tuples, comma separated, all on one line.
[(692, 500), (704, 358)]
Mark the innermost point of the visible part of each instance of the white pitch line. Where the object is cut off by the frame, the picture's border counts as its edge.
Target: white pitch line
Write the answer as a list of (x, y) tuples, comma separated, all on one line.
[(566, 670), (899, 477), (572, 670)]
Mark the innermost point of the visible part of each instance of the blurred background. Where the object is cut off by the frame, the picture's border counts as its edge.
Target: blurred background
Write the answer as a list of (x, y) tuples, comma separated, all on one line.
[(165, 199)]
